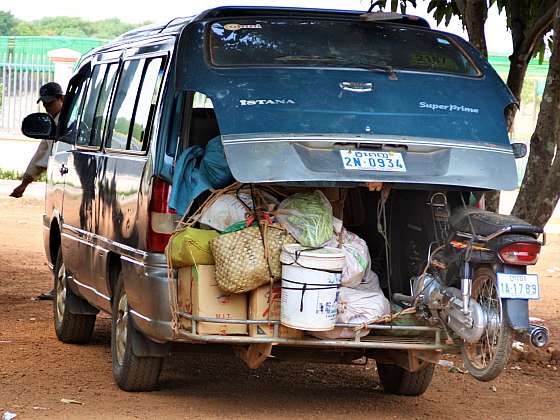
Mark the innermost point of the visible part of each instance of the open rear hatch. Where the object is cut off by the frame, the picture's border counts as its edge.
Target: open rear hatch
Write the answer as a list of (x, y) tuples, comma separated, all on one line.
[(347, 101)]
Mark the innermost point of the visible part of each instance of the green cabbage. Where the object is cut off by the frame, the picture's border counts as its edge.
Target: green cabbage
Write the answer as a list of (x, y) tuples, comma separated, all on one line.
[(308, 217)]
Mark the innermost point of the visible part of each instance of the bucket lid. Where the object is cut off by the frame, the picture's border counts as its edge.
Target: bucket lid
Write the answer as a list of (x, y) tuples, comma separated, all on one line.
[(326, 258)]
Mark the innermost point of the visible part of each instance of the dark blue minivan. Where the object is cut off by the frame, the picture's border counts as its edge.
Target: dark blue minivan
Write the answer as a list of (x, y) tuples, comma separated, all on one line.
[(407, 123)]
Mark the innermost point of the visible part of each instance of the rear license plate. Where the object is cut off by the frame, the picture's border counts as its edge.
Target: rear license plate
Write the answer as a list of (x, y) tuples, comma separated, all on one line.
[(518, 286), (364, 160)]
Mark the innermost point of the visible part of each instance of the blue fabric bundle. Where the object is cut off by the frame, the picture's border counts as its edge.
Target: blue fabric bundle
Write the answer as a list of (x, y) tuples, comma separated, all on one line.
[(214, 166), (198, 170)]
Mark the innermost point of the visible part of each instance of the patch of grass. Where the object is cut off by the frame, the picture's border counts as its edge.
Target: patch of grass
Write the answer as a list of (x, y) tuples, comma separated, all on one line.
[(15, 175), (7, 174)]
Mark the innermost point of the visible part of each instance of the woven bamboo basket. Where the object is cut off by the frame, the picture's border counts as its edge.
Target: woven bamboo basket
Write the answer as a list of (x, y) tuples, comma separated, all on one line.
[(243, 263)]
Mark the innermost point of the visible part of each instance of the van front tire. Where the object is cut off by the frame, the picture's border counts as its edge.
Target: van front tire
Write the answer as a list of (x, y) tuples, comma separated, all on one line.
[(132, 373), (399, 381), (69, 327)]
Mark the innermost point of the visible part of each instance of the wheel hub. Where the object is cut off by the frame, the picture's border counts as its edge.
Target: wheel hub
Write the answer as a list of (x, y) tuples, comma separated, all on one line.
[(60, 292), (482, 355), (121, 328), (493, 320)]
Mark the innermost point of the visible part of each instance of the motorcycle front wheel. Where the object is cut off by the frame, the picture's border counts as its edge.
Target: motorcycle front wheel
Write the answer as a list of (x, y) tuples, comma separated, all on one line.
[(487, 358)]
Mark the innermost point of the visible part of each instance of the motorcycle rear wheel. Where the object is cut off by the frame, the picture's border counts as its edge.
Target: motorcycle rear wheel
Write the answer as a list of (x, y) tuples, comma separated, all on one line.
[(486, 359)]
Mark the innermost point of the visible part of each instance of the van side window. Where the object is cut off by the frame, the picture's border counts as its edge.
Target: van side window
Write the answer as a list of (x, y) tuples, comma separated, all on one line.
[(76, 92), (203, 124), (175, 121), (147, 102), (123, 106), (135, 103), (90, 103), (200, 100), (101, 110)]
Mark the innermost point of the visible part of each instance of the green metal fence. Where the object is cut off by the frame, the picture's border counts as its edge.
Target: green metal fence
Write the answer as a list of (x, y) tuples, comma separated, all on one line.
[(39, 46), (24, 67)]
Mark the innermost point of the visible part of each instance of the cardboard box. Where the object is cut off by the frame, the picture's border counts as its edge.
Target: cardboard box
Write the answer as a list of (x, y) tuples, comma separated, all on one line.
[(258, 309), (200, 295)]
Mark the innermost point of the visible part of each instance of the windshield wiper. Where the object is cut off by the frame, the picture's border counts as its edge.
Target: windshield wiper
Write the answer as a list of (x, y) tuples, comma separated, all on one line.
[(334, 59), (371, 66)]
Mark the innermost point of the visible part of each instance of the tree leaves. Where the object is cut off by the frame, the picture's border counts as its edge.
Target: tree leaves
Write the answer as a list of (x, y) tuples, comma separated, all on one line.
[(7, 23), (444, 10), (64, 26), (395, 5)]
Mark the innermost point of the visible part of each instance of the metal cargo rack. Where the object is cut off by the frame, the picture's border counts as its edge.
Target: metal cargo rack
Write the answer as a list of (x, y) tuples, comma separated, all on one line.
[(425, 338)]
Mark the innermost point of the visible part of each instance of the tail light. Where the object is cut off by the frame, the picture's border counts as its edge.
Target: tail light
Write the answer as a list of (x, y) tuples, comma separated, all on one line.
[(162, 219), (520, 253)]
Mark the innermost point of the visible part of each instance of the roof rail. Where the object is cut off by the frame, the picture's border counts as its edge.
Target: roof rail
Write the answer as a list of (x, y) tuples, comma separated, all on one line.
[(146, 30), (244, 11)]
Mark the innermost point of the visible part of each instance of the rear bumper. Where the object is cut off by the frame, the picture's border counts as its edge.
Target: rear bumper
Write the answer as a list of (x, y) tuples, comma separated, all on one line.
[(149, 292), (424, 338)]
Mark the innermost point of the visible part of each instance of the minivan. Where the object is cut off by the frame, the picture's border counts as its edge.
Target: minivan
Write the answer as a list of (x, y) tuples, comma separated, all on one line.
[(288, 92)]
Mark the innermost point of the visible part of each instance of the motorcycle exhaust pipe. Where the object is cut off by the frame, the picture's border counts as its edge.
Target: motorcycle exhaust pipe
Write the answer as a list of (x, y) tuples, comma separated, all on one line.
[(539, 336)]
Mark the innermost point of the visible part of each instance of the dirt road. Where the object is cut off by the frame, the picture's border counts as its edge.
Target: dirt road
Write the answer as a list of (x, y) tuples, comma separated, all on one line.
[(37, 371)]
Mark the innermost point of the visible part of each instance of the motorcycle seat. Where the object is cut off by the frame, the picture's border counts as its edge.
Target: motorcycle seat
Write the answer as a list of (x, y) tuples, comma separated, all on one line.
[(486, 223)]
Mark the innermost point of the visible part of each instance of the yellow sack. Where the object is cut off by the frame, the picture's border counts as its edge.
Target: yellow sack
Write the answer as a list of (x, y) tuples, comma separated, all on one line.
[(191, 246)]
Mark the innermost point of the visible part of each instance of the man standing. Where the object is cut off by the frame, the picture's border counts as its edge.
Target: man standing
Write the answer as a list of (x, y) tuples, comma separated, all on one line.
[(52, 97)]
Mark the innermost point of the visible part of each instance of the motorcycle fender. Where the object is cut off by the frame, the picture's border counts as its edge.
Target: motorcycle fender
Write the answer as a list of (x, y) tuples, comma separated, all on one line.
[(517, 310)]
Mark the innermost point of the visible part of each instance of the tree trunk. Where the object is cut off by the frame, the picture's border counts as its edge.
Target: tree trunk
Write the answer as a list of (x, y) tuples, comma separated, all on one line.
[(525, 37), (548, 197), (516, 77), (492, 201), (475, 14), (540, 188), (538, 168)]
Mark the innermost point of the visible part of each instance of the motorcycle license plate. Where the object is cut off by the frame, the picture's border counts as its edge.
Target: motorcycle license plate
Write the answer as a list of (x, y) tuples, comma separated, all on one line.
[(364, 160), (518, 286)]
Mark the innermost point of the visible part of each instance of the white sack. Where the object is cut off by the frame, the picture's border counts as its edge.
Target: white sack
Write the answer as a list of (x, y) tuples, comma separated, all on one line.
[(225, 211), (229, 209), (357, 257), (362, 304)]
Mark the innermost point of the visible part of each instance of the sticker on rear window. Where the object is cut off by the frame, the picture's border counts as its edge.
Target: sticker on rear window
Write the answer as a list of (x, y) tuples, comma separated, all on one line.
[(237, 26), (432, 61)]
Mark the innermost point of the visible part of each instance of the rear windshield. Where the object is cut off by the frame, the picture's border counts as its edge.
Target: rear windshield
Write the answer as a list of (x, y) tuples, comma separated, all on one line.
[(319, 43)]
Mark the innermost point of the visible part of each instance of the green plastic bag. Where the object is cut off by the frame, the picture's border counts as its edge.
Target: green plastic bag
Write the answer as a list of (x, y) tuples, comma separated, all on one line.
[(308, 217), (191, 246)]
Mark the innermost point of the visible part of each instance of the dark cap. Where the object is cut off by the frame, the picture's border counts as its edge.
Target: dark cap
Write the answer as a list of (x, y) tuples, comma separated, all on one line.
[(49, 92)]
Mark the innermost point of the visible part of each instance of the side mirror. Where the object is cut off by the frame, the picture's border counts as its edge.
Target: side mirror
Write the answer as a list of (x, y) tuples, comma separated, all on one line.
[(519, 150), (39, 126)]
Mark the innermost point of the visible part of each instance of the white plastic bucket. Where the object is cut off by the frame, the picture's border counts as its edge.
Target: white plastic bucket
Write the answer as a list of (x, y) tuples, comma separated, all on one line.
[(310, 283)]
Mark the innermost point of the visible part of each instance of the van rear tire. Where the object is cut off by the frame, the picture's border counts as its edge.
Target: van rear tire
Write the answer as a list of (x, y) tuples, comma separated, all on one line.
[(69, 327), (131, 373), (399, 381)]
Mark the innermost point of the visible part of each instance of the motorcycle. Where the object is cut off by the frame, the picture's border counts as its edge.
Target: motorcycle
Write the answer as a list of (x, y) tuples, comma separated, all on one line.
[(475, 284)]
